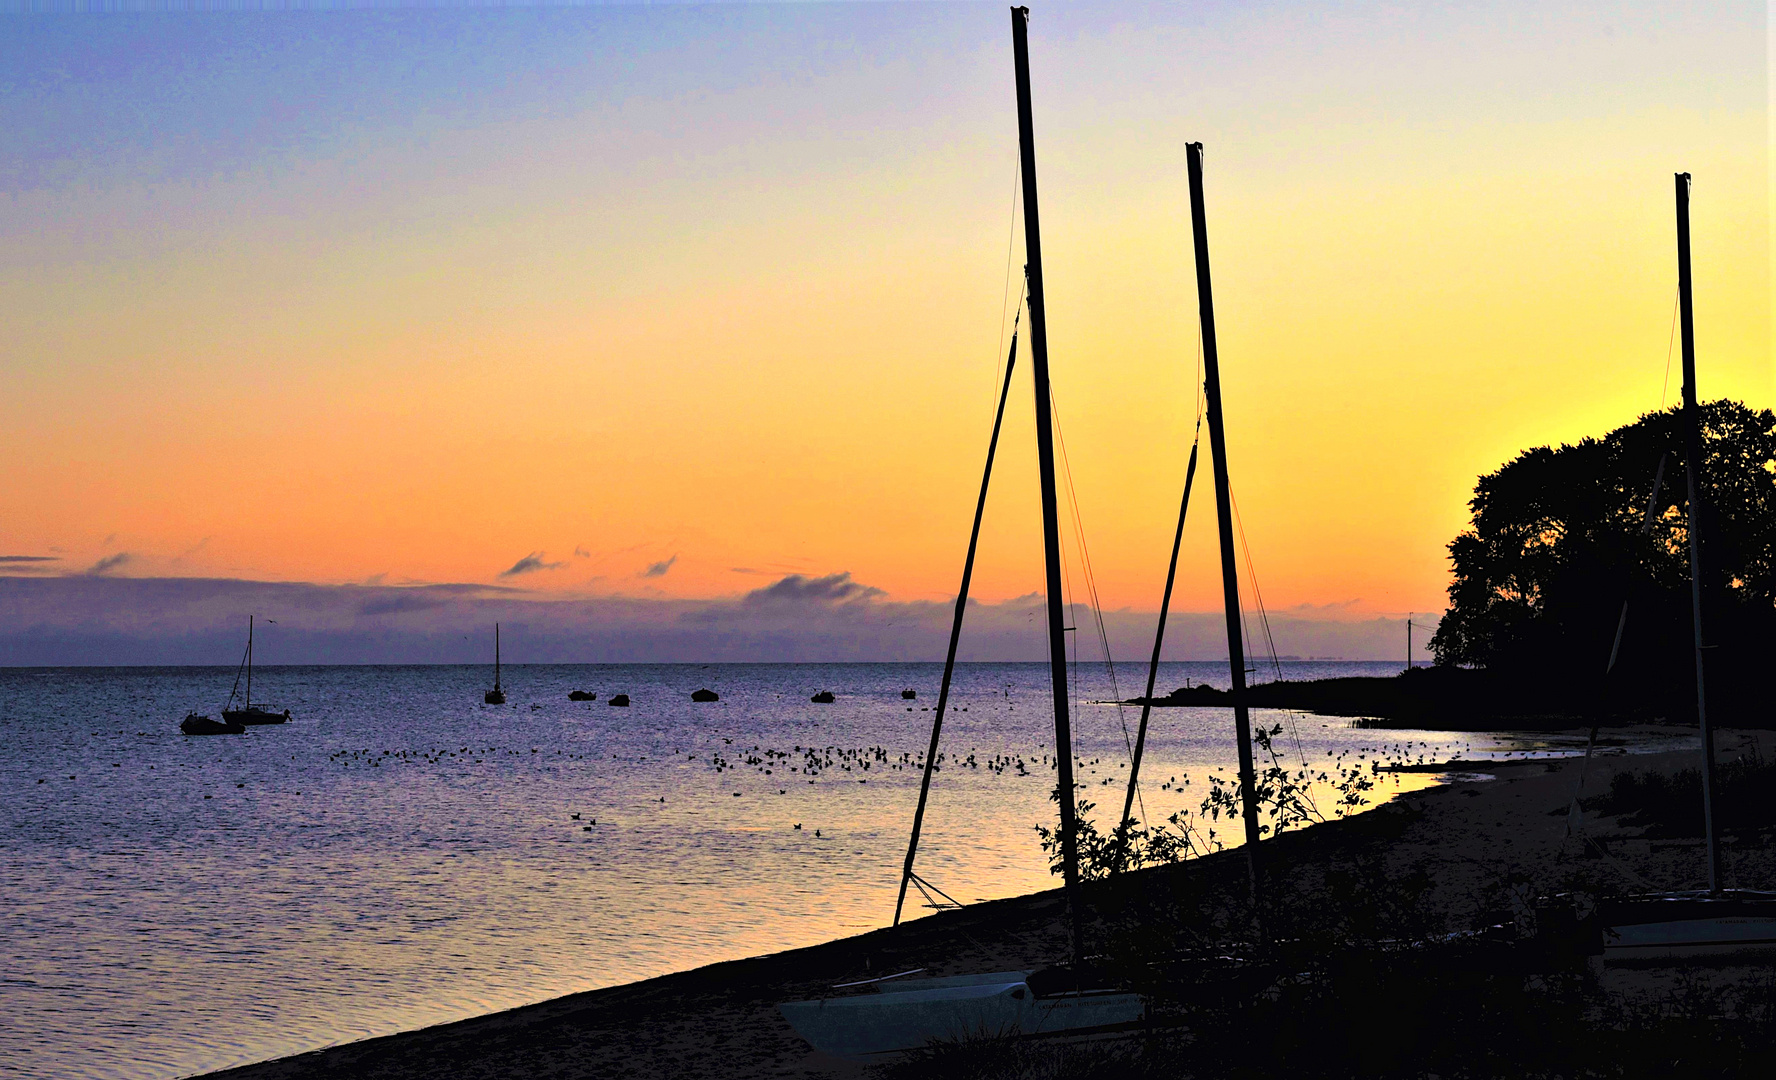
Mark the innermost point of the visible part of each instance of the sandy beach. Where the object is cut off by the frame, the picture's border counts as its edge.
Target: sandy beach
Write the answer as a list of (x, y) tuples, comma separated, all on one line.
[(1474, 839)]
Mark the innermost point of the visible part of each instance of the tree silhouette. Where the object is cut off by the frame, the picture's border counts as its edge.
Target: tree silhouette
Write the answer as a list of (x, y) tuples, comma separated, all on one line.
[(1557, 544)]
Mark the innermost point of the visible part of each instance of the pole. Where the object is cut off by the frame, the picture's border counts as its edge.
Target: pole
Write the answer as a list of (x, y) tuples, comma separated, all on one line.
[(1165, 605), (1230, 602), (1693, 476), (943, 693), (1051, 528), (1409, 641)]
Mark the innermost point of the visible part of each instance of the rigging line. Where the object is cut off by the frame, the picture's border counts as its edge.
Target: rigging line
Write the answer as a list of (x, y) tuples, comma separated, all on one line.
[(1165, 604), (1264, 620), (1669, 343), (943, 694), (1092, 584), (1024, 283)]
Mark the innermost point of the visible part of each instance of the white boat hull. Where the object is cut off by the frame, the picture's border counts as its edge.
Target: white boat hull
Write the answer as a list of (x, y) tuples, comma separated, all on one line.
[(926, 1011), (1684, 924)]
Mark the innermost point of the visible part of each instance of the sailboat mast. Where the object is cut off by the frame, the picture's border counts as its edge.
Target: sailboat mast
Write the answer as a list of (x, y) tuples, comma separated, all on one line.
[(1236, 655), (249, 661), (496, 672), (1693, 475), (1051, 527)]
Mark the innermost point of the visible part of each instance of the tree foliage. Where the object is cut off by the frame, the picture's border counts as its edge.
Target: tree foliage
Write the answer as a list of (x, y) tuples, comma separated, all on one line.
[(1557, 544)]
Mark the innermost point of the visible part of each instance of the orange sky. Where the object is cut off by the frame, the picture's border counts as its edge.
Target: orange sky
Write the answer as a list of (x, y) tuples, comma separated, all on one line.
[(355, 297)]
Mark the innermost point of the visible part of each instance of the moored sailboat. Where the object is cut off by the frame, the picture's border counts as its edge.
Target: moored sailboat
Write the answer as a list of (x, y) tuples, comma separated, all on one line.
[(496, 696), (250, 713)]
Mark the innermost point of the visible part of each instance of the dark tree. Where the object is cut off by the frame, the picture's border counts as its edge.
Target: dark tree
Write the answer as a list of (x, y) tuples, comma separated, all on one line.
[(1556, 546)]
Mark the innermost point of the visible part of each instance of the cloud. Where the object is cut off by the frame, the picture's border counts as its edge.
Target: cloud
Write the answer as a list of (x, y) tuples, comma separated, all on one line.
[(797, 589), (658, 569), (581, 552), (113, 619), (108, 564), (530, 564), (27, 564)]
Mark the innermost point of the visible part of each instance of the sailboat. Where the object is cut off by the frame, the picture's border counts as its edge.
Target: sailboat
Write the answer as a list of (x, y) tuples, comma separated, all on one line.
[(1716, 919), (496, 696), (873, 1017), (249, 713)]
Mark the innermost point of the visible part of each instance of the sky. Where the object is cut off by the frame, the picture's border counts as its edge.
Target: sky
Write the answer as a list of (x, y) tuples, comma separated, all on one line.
[(613, 306)]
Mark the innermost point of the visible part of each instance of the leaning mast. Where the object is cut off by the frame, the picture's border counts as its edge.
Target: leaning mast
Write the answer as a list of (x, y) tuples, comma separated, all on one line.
[(1051, 534)]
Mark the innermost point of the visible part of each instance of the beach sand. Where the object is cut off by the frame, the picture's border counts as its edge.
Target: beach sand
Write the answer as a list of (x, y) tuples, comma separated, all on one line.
[(1475, 839)]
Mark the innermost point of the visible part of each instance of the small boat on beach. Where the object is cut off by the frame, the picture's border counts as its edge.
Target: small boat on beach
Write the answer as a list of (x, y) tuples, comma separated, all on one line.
[(496, 696), (1678, 924), (194, 724), (894, 1014), (250, 713), (1715, 920)]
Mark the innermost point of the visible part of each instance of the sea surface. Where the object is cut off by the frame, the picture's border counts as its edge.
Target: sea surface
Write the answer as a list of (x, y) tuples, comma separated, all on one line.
[(400, 854)]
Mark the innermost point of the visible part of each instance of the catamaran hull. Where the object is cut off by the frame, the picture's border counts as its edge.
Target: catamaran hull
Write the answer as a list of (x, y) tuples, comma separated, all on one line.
[(868, 1025), (1688, 924)]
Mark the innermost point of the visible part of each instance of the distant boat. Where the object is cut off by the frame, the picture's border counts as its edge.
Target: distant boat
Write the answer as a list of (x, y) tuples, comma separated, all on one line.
[(825, 697), (581, 695), (705, 695), (496, 696), (193, 724), (249, 713), (619, 700), (909, 695)]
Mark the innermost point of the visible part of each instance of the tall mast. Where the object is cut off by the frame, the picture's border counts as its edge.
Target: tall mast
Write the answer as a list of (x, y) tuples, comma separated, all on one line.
[(1236, 655), (249, 661), (496, 684), (1051, 528), (1693, 475)]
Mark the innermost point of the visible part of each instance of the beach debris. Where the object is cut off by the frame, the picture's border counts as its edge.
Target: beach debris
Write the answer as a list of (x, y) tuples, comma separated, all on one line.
[(619, 700), (705, 694), (825, 697)]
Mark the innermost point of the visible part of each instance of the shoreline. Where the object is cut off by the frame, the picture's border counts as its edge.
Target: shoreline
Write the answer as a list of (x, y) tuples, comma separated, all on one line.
[(1468, 834)]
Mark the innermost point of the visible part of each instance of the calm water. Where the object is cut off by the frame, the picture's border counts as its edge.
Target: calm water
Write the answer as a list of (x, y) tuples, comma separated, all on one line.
[(401, 855)]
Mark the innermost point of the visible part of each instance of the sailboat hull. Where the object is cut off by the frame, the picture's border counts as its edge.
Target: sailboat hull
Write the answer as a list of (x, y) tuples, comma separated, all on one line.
[(255, 715), (494, 697), (1688, 924), (866, 1026)]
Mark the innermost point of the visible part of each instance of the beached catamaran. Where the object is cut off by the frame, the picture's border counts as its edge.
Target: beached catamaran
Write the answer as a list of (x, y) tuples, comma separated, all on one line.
[(898, 1012), (1718, 919)]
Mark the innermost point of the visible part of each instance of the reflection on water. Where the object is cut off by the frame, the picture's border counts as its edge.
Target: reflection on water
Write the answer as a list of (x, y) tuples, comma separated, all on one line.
[(402, 855)]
